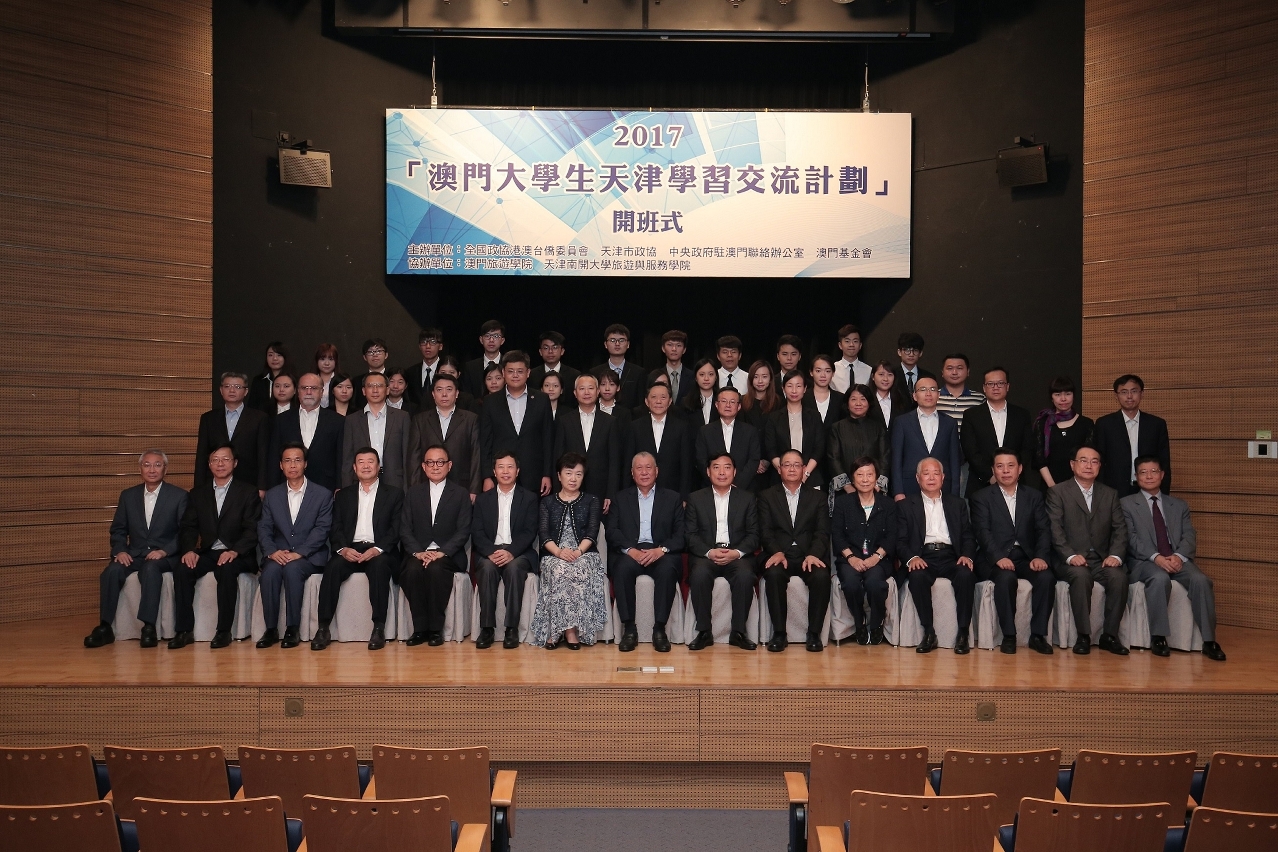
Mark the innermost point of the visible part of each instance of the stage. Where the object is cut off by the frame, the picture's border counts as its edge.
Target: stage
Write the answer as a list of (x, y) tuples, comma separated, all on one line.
[(716, 732)]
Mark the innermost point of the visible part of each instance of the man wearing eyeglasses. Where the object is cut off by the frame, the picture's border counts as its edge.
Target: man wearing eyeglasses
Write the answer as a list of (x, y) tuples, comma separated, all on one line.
[(1125, 435), (997, 427), (375, 355), (433, 536), (246, 429), (630, 376), (924, 433), (794, 523), (492, 336), (318, 429), (909, 348), (550, 346)]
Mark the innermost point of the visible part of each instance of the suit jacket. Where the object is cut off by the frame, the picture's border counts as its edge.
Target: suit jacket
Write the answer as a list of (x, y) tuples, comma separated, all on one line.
[(776, 440), (472, 377), (417, 396), (567, 376), (1116, 450), (129, 531), (907, 398), (745, 450), (1078, 531), (911, 527), (674, 459), (251, 442), (603, 459), (687, 381), (462, 444), (622, 520), (851, 530), (323, 456), (633, 382), (448, 527), (358, 400), (997, 532), (586, 513), (388, 510), (394, 445), (236, 526), (533, 444), (850, 439), (980, 443), (807, 535), (308, 535), (834, 412), (900, 405), (700, 522), (1142, 540), (523, 524), (909, 448)]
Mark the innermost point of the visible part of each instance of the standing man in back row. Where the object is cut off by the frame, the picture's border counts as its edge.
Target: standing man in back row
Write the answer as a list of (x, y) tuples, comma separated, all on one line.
[(1124, 435)]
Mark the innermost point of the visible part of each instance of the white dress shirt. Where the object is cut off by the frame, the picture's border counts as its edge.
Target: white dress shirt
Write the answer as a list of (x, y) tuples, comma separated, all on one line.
[(1087, 493), (587, 425), (445, 420), (149, 498), (822, 407), (847, 372), (646, 502), (658, 429), (936, 529), (364, 513), (727, 433), (280, 409), (999, 416), (436, 491), (1010, 500), (219, 497), (885, 404), (376, 429), (791, 501), (295, 499), (395, 403), (428, 373), (929, 424), (1133, 438), (505, 502), (308, 421), (233, 419), (707, 405), (740, 379), (721, 535), (911, 376), (518, 406)]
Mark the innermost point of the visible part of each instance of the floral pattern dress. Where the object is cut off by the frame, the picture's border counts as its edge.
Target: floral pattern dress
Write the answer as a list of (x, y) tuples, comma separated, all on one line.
[(572, 594)]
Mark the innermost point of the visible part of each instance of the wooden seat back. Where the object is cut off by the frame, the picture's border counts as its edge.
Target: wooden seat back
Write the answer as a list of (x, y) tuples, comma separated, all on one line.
[(180, 774), (1011, 775), (55, 775), (461, 774), (881, 822), (239, 825), (1218, 830), (1109, 778), (1242, 782), (395, 825), (1048, 826), (838, 770), (292, 773), (86, 827)]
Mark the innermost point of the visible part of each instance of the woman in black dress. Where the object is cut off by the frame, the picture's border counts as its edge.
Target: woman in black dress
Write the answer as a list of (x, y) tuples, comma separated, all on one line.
[(1058, 431), (277, 361)]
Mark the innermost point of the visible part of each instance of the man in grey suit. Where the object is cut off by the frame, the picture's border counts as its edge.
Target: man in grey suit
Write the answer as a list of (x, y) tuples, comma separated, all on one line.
[(1089, 542), (381, 427), (144, 538), (1161, 545), (440, 421), (293, 532)]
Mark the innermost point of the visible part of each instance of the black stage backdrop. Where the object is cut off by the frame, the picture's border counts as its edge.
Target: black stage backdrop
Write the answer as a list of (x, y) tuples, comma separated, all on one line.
[(997, 272)]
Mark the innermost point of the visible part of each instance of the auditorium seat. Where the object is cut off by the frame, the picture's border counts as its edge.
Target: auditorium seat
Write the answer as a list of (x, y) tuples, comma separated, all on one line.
[(126, 625), (1217, 830), (796, 612), (645, 597), (205, 605), (353, 620), (457, 623), (1109, 778), (1048, 826), (885, 822), (843, 625), (721, 614), (987, 634), (1011, 775), (526, 608), (1241, 782), (84, 827), (56, 775), (241, 825), (944, 616), (196, 774), (292, 773), (400, 825), (1134, 628)]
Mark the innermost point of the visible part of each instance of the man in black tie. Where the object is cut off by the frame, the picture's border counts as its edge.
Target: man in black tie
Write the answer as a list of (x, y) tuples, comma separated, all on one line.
[(503, 532), (850, 370), (492, 336), (795, 525), (674, 345), (586, 430), (722, 527), (629, 374), (517, 419), (421, 377), (318, 429), (728, 352), (1128, 433), (233, 422), (375, 354), (442, 421), (789, 356), (732, 436), (550, 346), (994, 427), (1015, 538), (909, 348), (667, 438), (645, 536)]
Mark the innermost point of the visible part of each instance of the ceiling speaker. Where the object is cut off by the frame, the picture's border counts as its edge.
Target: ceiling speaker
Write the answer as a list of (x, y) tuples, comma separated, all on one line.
[(305, 168), (1022, 165)]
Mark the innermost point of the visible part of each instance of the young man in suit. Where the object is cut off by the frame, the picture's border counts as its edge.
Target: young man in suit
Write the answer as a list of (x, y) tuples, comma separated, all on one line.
[(995, 427), (674, 345), (443, 422), (794, 523), (667, 438), (376, 354), (789, 356), (727, 351), (218, 534), (587, 430), (722, 528), (909, 349), (645, 536), (364, 539), (319, 430), (503, 533), (935, 540), (242, 427), (924, 433), (1128, 433), (381, 427), (293, 532), (144, 538), (731, 436), (1015, 539), (517, 419), (433, 534), (630, 376), (1089, 543), (550, 346), (421, 377), (1161, 546), (850, 369), (492, 336)]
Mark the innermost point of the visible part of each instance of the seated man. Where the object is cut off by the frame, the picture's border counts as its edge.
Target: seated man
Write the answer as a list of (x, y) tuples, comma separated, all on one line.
[(1089, 541), (1161, 545), (503, 531), (433, 536), (723, 533), (1015, 538), (794, 523), (935, 540), (144, 538), (218, 534), (364, 539), (296, 517), (645, 536)]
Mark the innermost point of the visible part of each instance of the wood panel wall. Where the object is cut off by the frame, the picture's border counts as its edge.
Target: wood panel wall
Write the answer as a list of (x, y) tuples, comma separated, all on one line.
[(1179, 248), (106, 239)]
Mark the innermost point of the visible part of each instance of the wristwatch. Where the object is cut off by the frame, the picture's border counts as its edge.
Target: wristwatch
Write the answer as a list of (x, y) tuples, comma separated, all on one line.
[(665, 549)]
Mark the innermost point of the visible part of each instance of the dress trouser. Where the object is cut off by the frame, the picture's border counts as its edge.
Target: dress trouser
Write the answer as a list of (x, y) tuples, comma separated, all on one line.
[(740, 574), (857, 585), (943, 563), (150, 575), (1042, 598), (514, 574), (228, 589), (1080, 579), (1202, 597), (381, 569), (776, 582), (664, 571), (291, 579), (428, 589)]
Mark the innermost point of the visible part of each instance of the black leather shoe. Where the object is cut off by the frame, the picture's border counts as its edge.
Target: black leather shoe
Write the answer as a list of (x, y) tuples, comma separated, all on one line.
[(418, 638), (1211, 650), (814, 643), (291, 638), (961, 645), (181, 640), (629, 639), (861, 636), (101, 635), (738, 639), (1083, 645), (1109, 642), (1158, 645), (377, 641), (660, 641), (1039, 644), (703, 639), (876, 636), (485, 639), (322, 639), (511, 640), (221, 639), (1008, 645), (572, 646), (149, 637), (269, 638), (778, 642), (434, 640), (928, 644)]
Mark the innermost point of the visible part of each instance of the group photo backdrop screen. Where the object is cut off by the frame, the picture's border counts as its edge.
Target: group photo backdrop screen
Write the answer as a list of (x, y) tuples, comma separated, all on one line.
[(604, 192)]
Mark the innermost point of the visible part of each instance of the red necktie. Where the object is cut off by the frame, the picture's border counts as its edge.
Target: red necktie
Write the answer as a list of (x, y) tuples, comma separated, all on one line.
[(1160, 530)]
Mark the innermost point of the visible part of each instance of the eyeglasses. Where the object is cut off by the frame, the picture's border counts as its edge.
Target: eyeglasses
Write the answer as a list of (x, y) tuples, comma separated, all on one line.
[(996, 384), (309, 387), (435, 462), (492, 335), (910, 351), (919, 389), (376, 350), (549, 347), (617, 340), (792, 464), (232, 387)]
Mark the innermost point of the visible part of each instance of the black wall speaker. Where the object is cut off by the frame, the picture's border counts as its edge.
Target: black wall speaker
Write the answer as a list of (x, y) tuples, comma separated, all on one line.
[(1022, 165)]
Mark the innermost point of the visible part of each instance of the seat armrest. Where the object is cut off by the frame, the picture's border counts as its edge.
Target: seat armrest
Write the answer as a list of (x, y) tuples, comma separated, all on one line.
[(830, 838), (796, 785), (239, 795), (504, 788), (472, 838), (370, 792)]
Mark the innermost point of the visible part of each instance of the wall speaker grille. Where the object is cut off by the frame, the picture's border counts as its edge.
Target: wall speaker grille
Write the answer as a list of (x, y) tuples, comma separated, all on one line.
[(1022, 166), (305, 169)]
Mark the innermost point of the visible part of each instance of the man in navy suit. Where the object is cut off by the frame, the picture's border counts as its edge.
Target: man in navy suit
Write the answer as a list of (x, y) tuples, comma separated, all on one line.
[(293, 532), (144, 538), (503, 533), (1015, 537), (319, 430), (924, 433), (1123, 435), (517, 419)]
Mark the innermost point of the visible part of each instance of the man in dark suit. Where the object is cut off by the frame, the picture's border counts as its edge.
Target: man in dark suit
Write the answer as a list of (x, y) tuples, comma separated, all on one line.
[(630, 376), (144, 538), (381, 427), (364, 539), (218, 534), (244, 428), (503, 532), (722, 528), (993, 427), (645, 536), (1015, 539), (550, 346), (492, 336), (909, 348), (433, 534), (375, 354), (667, 438), (319, 430), (1089, 543), (517, 419), (587, 430), (924, 433), (730, 435), (293, 532), (794, 522), (420, 378), (443, 422), (674, 345), (935, 540), (1123, 435)]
